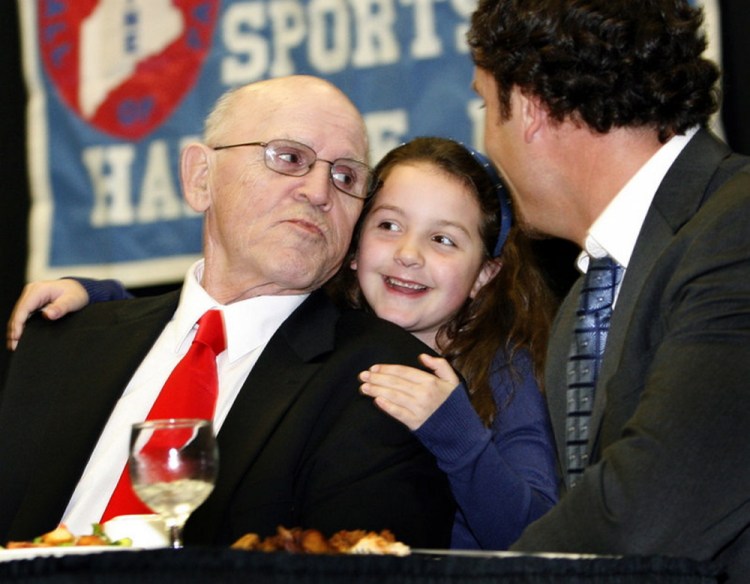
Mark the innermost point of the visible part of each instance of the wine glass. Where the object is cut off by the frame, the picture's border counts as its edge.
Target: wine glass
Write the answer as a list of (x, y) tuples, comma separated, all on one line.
[(173, 466)]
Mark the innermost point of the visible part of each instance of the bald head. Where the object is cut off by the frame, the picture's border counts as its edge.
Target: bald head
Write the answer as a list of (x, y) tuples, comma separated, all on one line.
[(266, 231), (280, 95)]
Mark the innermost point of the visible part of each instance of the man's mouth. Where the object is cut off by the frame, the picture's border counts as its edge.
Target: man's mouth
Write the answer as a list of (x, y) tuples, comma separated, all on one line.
[(308, 226)]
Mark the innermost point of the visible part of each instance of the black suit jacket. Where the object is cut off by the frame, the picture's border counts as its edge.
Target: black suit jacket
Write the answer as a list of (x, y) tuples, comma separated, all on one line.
[(300, 446), (669, 454)]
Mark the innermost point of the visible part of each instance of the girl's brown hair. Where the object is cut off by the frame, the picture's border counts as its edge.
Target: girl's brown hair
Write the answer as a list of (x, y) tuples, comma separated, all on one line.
[(511, 313)]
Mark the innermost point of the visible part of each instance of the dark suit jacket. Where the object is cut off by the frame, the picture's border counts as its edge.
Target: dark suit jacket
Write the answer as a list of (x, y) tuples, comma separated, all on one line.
[(669, 451), (300, 447)]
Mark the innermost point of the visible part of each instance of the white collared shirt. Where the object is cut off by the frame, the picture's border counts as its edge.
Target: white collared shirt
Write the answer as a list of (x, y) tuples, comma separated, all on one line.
[(249, 325), (616, 230)]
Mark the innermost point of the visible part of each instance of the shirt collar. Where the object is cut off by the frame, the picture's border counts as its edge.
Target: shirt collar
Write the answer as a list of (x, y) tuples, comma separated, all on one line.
[(616, 230), (247, 323)]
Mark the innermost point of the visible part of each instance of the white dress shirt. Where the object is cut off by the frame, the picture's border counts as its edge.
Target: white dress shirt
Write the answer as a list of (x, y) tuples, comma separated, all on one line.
[(616, 230), (249, 325)]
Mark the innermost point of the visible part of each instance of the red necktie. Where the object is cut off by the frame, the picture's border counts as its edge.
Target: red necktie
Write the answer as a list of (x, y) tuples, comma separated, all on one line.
[(189, 392)]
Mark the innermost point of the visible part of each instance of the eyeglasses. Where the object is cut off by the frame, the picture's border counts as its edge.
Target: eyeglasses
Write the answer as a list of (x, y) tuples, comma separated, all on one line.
[(294, 159)]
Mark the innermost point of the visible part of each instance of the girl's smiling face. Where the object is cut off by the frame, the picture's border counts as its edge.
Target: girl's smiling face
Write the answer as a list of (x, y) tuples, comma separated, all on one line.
[(420, 252)]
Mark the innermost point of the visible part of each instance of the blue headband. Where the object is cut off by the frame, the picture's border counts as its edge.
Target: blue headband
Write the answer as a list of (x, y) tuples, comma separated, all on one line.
[(506, 217)]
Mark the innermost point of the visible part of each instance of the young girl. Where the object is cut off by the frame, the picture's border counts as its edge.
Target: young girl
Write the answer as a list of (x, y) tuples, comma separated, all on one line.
[(434, 252)]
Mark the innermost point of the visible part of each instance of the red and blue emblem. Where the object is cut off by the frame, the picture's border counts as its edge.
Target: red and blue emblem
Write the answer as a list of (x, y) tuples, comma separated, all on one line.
[(124, 65)]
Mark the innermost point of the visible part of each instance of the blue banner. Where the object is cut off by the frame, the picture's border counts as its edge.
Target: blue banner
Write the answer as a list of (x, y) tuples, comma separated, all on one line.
[(117, 87)]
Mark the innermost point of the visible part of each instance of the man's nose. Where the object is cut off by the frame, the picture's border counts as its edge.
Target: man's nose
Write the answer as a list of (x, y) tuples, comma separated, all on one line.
[(318, 188)]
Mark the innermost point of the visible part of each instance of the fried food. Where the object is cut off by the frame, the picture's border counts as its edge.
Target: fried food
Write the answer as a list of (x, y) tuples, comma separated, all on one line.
[(62, 536), (312, 541)]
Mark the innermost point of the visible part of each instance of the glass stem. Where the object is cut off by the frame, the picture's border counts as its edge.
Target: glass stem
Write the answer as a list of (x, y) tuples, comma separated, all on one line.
[(175, 536)]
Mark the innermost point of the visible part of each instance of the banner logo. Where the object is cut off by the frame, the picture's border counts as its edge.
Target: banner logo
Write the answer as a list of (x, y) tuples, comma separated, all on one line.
[(124, 65)]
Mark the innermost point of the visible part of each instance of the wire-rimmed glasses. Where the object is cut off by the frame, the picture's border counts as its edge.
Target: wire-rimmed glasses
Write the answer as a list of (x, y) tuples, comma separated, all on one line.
[(292, 158)]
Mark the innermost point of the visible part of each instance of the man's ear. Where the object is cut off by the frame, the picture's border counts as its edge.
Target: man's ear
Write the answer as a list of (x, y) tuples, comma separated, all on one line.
[(534, 116), (195, 175), (489, 270)]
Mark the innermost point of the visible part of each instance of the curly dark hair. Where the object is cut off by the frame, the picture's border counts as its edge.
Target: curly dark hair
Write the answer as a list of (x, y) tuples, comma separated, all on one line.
[(606, 63), (511, 312)]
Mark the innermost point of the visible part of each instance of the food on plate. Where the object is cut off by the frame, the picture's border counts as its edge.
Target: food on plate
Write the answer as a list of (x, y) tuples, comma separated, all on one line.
[(62, 536), (312, 541), (370, 543)]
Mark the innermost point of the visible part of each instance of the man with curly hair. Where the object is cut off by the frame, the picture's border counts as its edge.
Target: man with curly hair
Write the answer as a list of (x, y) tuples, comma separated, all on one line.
[(597, 114)]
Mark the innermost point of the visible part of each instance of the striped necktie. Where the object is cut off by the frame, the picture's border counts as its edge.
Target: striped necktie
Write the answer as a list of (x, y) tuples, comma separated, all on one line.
[(587, 347)]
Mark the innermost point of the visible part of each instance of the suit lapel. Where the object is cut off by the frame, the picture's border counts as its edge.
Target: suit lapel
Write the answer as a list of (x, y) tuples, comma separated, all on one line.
[(89, 384), (677, 200), (282, 371), (556, 369)]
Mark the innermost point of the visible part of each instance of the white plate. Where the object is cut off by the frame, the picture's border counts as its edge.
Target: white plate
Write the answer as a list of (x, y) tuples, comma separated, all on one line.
[(506, 554), (36, 552), (466, 553)]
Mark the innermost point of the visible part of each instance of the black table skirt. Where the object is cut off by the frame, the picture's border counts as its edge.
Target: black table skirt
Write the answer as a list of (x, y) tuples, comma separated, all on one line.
[(204, 565)]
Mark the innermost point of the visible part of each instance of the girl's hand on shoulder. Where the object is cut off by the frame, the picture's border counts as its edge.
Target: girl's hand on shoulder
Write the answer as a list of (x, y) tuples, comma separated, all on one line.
[(55, 298), (408, 394)]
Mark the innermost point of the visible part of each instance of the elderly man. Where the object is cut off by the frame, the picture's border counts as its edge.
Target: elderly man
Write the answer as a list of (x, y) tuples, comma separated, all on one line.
[(280, 181), (597, 114)]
